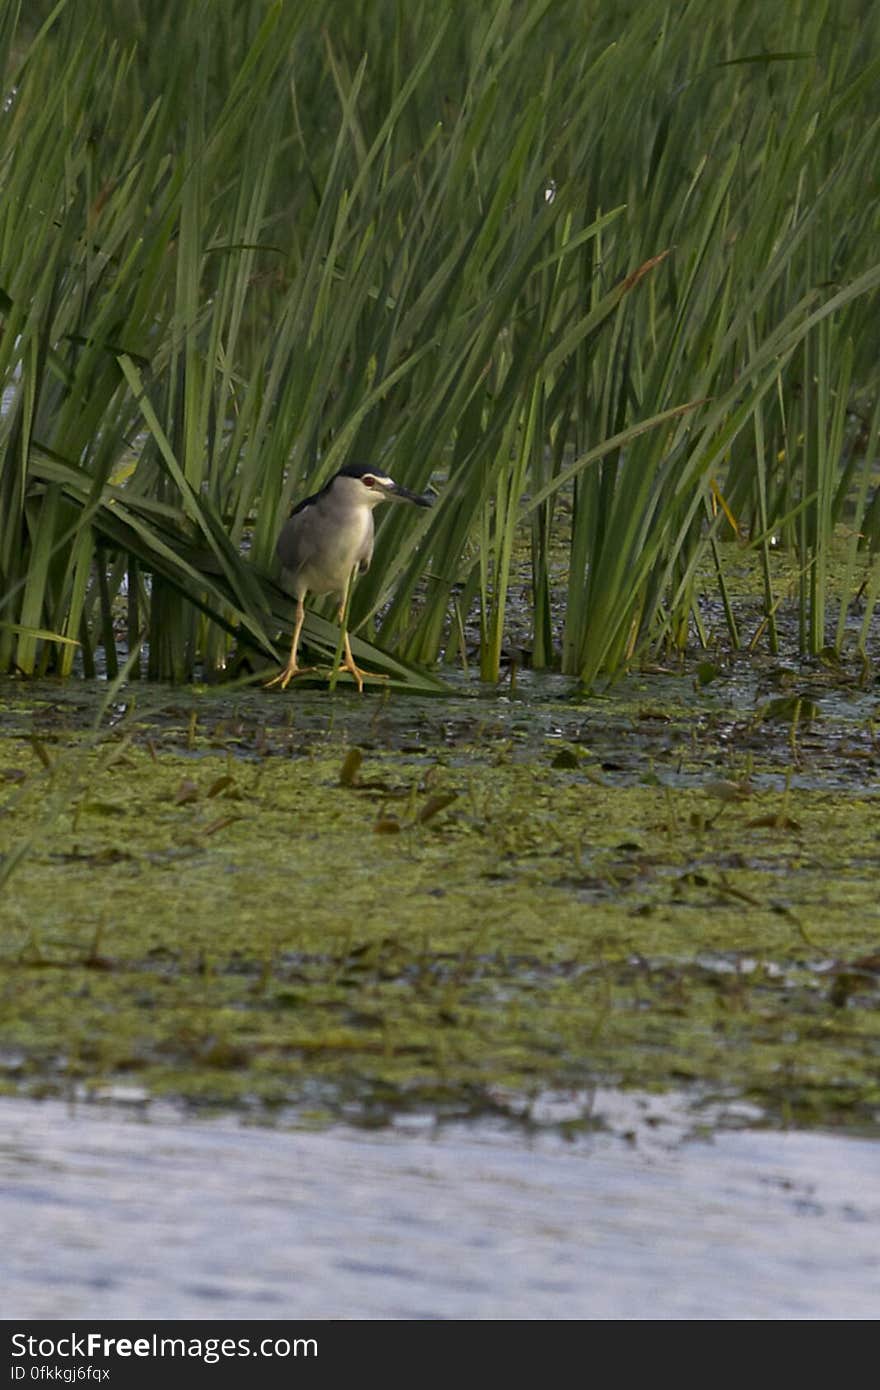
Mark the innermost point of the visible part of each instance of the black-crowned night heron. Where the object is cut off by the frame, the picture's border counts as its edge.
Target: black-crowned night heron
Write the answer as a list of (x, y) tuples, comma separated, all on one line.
[(326, 540)]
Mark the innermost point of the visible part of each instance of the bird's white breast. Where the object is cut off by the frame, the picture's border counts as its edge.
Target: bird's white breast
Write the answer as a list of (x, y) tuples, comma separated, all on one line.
[(330, 573)]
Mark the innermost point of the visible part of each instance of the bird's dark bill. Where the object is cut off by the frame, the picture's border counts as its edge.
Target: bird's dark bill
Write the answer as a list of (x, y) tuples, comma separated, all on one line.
[(403, 494)]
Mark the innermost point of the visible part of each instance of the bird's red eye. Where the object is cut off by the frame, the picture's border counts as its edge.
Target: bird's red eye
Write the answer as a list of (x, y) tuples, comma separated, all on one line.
[(368, 480)]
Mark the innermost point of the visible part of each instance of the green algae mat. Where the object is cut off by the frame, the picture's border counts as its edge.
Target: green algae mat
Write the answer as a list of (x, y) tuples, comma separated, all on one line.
[(342, 906)]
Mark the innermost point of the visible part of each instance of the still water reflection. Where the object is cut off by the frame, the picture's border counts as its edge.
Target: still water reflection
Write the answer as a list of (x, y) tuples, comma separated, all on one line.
[(133, 1216)]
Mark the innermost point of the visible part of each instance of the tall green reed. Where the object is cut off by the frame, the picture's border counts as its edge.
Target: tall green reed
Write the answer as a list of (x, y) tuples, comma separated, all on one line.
[(577, 264)]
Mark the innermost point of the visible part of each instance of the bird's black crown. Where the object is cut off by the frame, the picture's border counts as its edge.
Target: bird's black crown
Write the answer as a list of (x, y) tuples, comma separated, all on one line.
[(359, 470), (353, 470)]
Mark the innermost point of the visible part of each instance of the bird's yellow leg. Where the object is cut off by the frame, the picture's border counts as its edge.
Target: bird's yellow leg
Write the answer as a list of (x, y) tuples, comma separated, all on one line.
[(292, 668), (348, 662)]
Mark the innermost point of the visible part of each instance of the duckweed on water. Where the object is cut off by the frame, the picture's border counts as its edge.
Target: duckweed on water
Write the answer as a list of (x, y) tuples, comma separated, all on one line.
[(370, 905)]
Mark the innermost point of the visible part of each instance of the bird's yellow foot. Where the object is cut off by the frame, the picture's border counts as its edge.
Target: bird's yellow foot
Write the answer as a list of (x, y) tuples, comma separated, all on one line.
[(349, 664), (288, 674)]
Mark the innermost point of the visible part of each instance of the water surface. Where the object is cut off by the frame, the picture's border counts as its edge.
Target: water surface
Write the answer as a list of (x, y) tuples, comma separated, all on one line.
[(131, 1217)]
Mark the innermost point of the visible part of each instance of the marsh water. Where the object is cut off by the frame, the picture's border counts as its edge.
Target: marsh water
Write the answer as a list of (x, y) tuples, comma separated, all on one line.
[(134, 1217)]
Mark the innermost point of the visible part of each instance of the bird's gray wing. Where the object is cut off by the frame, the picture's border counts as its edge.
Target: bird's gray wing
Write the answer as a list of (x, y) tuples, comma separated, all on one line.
[(295, 547)]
